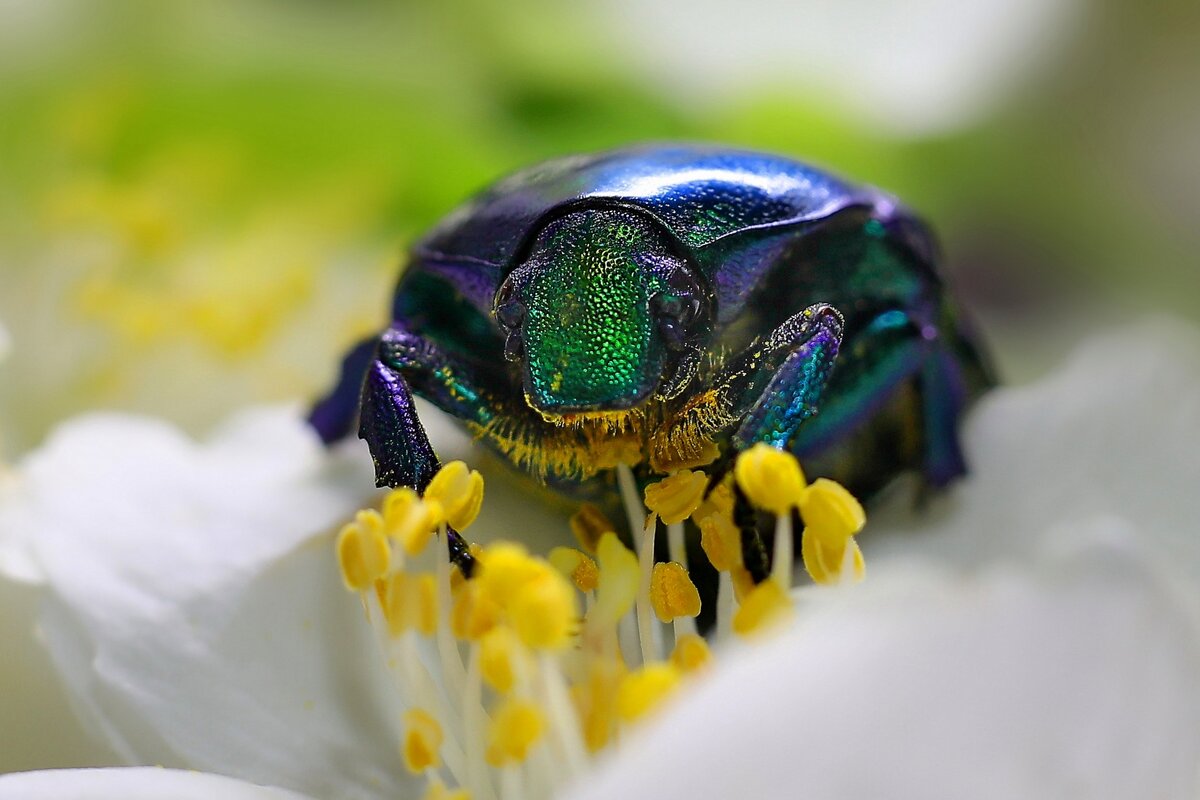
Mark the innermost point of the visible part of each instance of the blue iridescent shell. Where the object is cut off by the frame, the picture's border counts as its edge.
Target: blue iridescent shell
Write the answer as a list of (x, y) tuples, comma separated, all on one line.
[(732, 211)]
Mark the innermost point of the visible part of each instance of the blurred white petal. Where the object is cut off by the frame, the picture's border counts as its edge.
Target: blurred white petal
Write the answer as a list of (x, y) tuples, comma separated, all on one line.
[(1034, 634), (132, 783), (1115, 432), (192, 603), (913, 68), (1077, 679)]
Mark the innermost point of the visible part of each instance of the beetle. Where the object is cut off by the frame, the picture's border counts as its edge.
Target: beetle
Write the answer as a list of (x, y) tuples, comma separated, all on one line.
[(665, 303)]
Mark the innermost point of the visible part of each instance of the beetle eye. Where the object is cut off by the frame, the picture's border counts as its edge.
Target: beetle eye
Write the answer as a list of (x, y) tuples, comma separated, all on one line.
[(514, 347), (673, 332), (690, 309), (666, 304), (510, 314)]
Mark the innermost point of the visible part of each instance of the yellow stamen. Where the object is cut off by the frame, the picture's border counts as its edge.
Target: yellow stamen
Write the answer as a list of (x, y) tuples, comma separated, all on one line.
[(438, 791), (576, 566), (422, 741), (498, 651), (691, 653), (765, 607), (771, 478), (504, 568), (543, 612), (607, 451), (516, 727), (743, 583), (596, 701), (619, 576), (830, 512), (410, 603), (459, 490), (672, 592), (832, 516), (474, 611), (722, 542), (825, 563), (409, 520), (363, 552), (588, 524), (719, 501), (675, 497), (644, 689)]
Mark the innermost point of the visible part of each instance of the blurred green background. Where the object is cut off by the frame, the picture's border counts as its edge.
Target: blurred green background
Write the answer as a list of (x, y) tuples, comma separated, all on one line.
[(202, 204)]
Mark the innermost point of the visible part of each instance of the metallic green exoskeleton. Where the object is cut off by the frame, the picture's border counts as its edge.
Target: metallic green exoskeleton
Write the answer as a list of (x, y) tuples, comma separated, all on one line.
[(667, 305)]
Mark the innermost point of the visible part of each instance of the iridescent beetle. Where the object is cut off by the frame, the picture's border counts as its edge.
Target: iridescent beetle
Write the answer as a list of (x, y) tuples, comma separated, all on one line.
[(673, 300)]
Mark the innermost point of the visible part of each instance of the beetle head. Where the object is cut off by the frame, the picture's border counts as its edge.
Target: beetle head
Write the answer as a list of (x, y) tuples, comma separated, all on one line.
[(602, 315)]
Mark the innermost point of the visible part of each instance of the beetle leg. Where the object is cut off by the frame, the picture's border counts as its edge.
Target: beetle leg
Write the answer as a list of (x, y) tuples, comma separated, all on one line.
[(333, 416), (409, 363), (762, 394), (903, 373)]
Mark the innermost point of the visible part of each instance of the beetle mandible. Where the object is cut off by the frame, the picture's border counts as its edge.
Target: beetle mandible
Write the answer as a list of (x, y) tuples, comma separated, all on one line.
[(677, 300)]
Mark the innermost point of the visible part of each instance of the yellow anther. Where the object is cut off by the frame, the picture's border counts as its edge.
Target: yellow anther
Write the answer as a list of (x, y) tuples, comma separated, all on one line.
[(675, 497), (504, 568), (576, 566), (643, 690), (719, 501), (543, 612), (826, 564), (396, 505), (688, 453), (619, 579), (438, 791), (459, 490), (766, 606), (409, 520), (410, 603), (771, 478), (831, 513), (422, 740), (363, 551), (516, 727), (589, 524), (474, 611), (691, 653), (498, 652), (722, 542), (609, 451), (672, 592)]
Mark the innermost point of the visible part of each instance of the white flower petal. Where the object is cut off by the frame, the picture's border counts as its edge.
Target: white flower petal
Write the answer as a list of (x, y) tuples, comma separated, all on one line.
[(132, 783), (1078, 680), (1115, 431), (193, 603), (38, 728)]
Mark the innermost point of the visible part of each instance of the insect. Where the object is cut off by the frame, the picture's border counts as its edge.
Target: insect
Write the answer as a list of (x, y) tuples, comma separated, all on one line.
[(663, 304)]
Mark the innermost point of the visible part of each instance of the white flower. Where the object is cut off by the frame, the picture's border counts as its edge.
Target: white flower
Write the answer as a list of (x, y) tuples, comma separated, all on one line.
[(132, 783), (1043, 643)]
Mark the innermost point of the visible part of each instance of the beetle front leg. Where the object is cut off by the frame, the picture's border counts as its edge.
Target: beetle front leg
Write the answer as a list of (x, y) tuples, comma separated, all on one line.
[(761, 395), (475, 393), (332, 417), (897, 398)]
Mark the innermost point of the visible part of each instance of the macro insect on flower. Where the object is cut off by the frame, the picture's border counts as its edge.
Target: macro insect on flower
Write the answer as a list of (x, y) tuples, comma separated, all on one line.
[(666, 306)]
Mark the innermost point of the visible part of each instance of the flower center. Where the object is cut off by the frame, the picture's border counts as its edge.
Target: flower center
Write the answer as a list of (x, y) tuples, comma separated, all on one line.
[(513, 679)]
